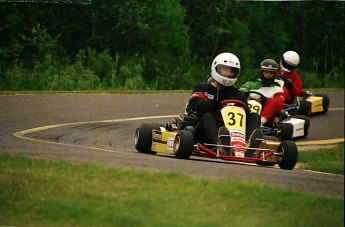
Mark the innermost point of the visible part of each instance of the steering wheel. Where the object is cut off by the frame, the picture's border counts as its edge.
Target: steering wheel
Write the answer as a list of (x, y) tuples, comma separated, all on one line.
[(262, 97), (236, 103)]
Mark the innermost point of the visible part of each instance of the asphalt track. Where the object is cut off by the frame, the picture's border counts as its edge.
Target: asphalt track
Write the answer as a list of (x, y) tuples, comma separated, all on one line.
[(99, 129)]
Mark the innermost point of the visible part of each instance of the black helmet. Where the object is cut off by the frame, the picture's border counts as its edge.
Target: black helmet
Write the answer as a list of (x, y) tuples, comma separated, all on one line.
[(268, 65)]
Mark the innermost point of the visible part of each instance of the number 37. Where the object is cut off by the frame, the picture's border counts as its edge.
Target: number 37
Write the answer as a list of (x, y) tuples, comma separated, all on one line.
[(233, 120)]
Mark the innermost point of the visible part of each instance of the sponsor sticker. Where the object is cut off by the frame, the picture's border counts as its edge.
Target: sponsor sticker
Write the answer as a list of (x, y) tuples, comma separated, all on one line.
[(170, 143), (157, 135)]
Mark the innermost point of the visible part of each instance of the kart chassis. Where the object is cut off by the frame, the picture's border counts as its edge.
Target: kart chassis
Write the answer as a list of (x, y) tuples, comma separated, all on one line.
[(178, 139)]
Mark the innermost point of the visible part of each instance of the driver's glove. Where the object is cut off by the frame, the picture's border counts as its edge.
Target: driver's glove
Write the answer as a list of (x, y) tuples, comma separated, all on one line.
[(214, 105), (305, 93), (287, 84), (254, 96)]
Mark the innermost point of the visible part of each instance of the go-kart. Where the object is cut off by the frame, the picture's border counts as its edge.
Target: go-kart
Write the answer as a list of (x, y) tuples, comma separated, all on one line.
[(308, 104), (179, 138), (285, 126)]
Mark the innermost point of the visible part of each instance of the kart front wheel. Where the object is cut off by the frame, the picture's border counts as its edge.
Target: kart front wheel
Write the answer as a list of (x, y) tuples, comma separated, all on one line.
[(288, 152), (305, 108), (143, 138), (183, 144), (286, 131)]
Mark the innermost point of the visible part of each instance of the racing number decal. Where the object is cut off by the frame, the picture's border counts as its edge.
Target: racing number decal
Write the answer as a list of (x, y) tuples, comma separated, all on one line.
[(234, 117), (233, 120), (254, 106), (170, 143)]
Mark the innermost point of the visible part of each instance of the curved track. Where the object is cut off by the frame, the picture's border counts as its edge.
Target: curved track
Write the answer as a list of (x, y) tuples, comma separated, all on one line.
[(100, 128)]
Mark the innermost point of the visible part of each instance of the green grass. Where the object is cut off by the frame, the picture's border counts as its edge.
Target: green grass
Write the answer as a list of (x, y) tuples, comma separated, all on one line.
[(46, 193), (330, 160)]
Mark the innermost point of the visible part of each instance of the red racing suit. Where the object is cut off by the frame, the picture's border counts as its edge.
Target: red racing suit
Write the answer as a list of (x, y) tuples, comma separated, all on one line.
[(275, 97), (295, 89)]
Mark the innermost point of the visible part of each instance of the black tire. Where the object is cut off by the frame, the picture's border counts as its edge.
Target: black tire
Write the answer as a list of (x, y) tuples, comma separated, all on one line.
[(306, 124), (305, 108), (143, 138), (288, 150), (183, 144), (286, 131), (325, 102)]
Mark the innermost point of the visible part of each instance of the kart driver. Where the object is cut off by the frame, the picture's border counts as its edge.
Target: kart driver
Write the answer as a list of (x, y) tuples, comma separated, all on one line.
[(273, 100), (206, 98), (292, 81)]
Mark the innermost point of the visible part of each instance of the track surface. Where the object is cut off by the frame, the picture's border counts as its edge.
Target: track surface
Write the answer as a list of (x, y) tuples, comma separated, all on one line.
[(99, 128)]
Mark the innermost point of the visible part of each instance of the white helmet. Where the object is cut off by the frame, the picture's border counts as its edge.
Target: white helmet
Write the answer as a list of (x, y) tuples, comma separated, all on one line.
[(289, 60), (225, 60)]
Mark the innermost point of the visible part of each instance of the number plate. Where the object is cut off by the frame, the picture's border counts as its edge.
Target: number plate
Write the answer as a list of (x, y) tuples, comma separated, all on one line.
[(254, 106), (234, 118), (235, 121)]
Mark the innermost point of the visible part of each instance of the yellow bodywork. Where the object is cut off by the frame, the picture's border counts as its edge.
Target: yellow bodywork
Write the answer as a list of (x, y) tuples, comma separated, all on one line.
[(272, 145), (163, 141), (316, 104)]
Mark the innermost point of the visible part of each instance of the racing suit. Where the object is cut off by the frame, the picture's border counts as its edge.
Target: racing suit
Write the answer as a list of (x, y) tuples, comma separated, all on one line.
[(273, 100), (292, 85), (201, 103)]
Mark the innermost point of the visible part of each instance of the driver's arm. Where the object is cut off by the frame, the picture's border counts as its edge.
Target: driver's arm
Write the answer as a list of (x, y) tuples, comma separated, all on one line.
[(245, 87), (199, 102), (241, 97), (297, 85), (250, 85)]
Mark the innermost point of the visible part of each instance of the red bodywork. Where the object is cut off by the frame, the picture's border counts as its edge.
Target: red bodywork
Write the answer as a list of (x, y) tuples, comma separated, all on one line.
[(203, 151)]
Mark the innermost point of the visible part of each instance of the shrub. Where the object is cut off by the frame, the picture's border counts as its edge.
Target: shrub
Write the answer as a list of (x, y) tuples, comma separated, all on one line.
[(130, 74)]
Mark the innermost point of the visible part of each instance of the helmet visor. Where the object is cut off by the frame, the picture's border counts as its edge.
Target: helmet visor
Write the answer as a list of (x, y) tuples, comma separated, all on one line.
[(286, 65), (227, 71), (265, 68)]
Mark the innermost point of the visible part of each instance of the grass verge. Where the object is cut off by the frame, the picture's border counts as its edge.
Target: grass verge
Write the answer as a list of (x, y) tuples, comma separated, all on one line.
[(46, 193), (330, 160)]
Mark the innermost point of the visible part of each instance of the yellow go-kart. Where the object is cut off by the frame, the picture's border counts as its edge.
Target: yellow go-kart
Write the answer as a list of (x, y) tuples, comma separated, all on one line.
[(178, 138), (308, 104)]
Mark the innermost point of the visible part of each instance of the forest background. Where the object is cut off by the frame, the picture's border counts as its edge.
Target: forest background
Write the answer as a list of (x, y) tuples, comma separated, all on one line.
[(163, 45)]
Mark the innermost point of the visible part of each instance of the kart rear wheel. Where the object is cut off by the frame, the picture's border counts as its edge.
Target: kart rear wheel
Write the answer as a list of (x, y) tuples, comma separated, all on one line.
[(325, 102), (289, 154), (143, 138), (287, 131), (305, 108), (183, 144), (306, 123)]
